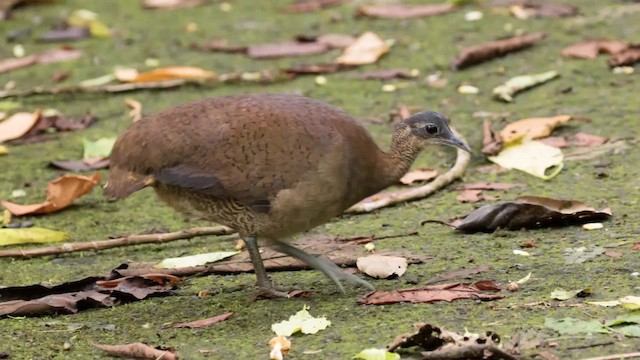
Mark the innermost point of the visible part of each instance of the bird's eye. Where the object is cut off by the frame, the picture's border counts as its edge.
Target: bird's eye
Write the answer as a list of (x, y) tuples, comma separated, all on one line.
[(431, 129)]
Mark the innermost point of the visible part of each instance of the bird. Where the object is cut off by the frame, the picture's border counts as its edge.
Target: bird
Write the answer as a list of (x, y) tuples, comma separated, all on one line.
[(267, 165)]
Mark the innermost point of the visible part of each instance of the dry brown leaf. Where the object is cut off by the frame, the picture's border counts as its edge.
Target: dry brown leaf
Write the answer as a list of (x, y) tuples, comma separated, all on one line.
[(170, 4), (311, 5), (534, 128), (480, 290), (419, 175), (61, 193), (587, 140), (74, 296), (203, 322), (18, 125), (527, 212), (474, 196), (279, 346), (286, 49), (17, 63), (627, 57), (139, 351), (367, 49), (169, 73), (66, 34), (524, 9), (220, 45), (47, 57), (493, 49), (336, 41), (555, 141), (491, 141), (591, 48), (381, 266), (136, 109), (403, 11)]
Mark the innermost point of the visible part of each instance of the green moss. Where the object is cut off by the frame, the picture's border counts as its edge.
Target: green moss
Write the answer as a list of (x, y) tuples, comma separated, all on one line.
[(426, 45)]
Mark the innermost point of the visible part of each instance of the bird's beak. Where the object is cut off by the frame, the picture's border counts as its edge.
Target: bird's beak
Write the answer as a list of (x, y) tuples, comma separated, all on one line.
[(454, 141)]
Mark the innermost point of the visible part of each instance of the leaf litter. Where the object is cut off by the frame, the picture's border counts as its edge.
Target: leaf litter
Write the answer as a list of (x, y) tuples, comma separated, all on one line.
[(493, 49), (520, 83), (303, 322), (32, 235), (90, 292), (202, 323), (61, 193), (527, 212), (399, 11), (481, 290), (139, 351), (47, 57), (439, 343), (381, 266), (367, 49)]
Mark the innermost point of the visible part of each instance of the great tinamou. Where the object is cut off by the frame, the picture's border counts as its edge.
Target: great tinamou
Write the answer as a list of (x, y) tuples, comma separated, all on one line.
[(267, 165)]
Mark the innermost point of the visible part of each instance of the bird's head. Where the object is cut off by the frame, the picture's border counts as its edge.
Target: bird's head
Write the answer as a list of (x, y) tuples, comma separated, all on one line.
[(431, 127)]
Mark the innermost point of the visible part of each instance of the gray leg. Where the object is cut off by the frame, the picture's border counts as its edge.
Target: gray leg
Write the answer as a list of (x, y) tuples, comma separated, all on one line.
[(264, 283), (333, 271)]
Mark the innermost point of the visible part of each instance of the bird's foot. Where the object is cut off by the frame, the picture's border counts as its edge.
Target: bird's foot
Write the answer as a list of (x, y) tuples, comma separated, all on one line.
[(331, 270)]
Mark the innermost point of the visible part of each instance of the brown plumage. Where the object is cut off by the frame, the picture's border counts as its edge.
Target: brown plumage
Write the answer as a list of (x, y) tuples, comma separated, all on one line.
[(267, 165)]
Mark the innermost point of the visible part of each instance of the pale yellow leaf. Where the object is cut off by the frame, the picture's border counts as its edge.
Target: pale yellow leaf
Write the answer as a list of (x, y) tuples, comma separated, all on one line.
[(302, 321), (532, 157), (367, 49), (381, 266), (17, 125), (533, 128)]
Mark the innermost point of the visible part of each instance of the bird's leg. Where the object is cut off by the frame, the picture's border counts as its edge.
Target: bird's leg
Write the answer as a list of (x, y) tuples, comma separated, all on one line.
[(263, 281), (333, 271)]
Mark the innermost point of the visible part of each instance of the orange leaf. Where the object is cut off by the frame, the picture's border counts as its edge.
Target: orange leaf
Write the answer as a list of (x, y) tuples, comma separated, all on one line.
[(367, 49), (61, 193), (536, 128), (172, 73)]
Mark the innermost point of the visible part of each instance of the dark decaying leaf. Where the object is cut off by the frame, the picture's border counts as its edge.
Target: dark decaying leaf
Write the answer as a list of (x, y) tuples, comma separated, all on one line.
[(70, 33), (311, 5), (286, 49), (400, 11), (197, 324), (79, 165), (464, 273), (383, 74), (441, 344), (219, 45), (314, 69), (528, 212), (71, 297), (139, 351), (627, 57), (342, 252), (490, 50), (474, 196), (481, 290)]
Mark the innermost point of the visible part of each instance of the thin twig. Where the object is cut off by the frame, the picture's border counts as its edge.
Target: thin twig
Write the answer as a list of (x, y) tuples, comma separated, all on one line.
[(586, 346), (391, 198), (616, 356), (118, 242)]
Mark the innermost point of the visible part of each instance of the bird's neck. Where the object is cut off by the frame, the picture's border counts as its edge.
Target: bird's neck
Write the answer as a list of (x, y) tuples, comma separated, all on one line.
[(405, 148)]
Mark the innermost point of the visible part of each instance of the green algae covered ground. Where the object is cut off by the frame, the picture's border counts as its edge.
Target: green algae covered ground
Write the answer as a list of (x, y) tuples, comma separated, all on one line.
[(423, 44)]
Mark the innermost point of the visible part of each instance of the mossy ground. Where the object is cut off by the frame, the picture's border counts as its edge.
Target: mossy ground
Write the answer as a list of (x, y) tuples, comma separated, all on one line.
[(424, 44)]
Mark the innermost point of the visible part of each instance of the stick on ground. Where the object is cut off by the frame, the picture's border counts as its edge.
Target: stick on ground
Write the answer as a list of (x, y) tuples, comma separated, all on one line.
[(118, 242)]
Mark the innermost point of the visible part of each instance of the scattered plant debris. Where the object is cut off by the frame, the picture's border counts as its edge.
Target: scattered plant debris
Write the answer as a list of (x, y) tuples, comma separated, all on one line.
[(517, 84), (300, 6), (194, 260), (61, 193), (382, 267), (139, 350), (367, 49), (527, 212), (279, 346), (490, 50), (399, 11), (197, 324), (480, 290), (419, 175), (47, 57), (303, 322), (32, 235)]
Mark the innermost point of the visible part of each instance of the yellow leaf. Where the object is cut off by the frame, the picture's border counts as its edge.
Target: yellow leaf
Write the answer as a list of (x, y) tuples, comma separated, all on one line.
[(532, 157), (367, 49), (3, 150), (533, 128), (30, 236), (166, 73), (630, 302)]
